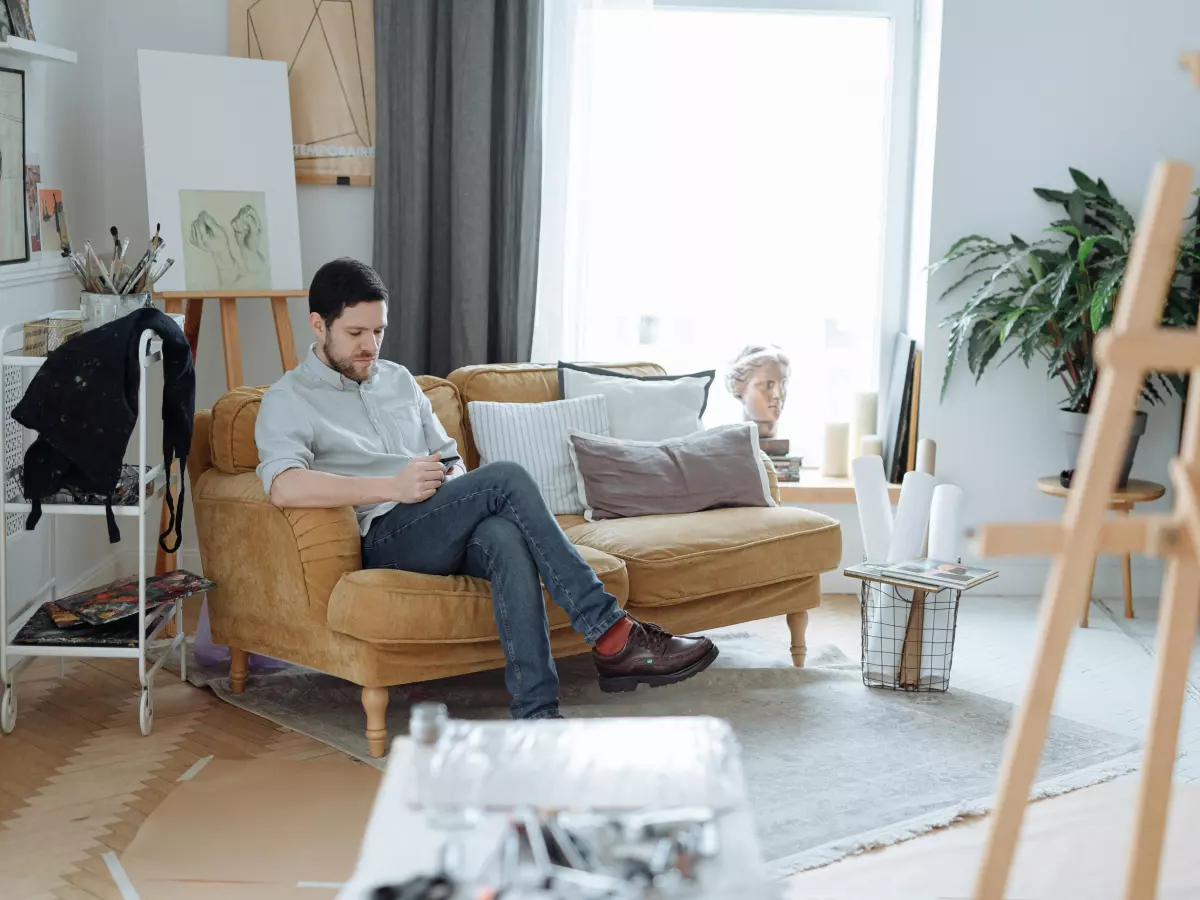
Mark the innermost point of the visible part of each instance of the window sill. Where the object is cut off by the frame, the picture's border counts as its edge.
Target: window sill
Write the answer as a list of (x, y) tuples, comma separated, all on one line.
[(813, 487), (33, 272)]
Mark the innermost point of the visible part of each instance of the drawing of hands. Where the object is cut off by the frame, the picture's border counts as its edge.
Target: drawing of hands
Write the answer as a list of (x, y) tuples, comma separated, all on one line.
[(210, 237), (247, 233)]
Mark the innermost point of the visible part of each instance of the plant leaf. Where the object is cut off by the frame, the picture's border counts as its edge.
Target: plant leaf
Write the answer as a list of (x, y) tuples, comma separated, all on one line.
[(1083, 182)]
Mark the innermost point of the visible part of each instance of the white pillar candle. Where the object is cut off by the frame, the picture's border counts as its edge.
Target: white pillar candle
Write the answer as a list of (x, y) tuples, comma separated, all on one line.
[(863, 419), (926, 455), (870, 445), (836, 461)]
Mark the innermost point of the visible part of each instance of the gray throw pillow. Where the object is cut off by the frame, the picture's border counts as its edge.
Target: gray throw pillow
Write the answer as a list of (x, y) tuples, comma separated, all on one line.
[(706, 470)]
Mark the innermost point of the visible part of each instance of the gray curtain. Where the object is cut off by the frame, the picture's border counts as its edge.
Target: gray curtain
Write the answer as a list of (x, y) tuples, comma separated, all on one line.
[(458, 178)]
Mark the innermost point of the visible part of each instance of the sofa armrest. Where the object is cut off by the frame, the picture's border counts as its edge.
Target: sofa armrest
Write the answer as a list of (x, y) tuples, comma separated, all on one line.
[(270, 562), (772, 477)]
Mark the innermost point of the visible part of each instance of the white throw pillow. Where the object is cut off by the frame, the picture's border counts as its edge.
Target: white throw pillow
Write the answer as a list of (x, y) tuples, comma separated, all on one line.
[(536, 436), (642, 407)]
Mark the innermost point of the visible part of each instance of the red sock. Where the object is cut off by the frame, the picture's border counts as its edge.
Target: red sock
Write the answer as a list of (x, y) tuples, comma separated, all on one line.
[(613, 640)]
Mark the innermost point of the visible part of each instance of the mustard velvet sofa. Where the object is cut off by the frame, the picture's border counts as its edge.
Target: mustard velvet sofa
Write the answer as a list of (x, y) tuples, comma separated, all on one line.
[(291, 583)]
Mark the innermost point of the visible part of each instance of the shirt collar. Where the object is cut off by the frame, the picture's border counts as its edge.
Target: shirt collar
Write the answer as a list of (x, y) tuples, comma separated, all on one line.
[(314, 366)]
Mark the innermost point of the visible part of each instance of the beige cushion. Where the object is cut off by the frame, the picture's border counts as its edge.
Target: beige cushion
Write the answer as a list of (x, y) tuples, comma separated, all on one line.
[(675, 558), (234, 415), (519, 383), (388, 606)]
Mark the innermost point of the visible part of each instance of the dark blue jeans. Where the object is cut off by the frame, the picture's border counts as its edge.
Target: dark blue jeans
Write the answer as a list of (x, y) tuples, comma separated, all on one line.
[(493, 523)]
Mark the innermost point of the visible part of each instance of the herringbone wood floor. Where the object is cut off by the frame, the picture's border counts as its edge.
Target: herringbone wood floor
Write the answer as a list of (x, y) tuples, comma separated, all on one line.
[(77, 778)]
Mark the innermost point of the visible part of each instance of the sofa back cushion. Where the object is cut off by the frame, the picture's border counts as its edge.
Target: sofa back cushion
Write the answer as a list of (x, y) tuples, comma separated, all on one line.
[(233, 416), (520, 383)]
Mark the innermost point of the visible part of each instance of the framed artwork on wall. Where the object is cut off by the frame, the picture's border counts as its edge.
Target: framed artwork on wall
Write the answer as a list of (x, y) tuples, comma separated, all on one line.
[(14, 220), (329, 49)]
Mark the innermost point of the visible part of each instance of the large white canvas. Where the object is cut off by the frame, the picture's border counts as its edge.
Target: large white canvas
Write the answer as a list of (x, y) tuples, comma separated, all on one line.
[(214, 123)]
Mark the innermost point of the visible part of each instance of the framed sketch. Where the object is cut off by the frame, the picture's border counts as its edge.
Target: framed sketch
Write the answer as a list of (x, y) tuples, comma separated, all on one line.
[(20, 20), (226, 204), (225, 239), (14, 230), (329, 49)]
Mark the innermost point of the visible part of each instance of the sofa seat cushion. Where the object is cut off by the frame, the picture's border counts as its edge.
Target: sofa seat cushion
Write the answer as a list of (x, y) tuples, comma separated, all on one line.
[(390, 606), (675, 558)]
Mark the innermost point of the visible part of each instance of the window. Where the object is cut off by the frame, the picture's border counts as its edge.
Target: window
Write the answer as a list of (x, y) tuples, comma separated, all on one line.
[(728, 178)]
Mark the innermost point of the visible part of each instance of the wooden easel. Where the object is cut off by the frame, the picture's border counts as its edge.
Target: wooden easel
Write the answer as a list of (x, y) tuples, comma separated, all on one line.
[(1135, 345), (191, 304)]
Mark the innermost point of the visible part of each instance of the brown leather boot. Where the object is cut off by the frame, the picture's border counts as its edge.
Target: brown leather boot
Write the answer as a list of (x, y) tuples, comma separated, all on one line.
[(654, 657)]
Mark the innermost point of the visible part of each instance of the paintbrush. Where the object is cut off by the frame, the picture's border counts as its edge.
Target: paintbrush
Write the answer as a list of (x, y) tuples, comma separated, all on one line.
[(116, 254), (160, 272), (146, 261), (105, 279)]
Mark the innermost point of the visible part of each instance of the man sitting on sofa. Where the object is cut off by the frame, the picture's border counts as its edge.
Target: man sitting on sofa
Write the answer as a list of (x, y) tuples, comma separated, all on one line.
[(348, 429)]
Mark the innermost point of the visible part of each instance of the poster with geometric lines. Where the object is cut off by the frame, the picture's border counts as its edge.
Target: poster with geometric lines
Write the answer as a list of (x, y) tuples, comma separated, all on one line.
[(329, 48)]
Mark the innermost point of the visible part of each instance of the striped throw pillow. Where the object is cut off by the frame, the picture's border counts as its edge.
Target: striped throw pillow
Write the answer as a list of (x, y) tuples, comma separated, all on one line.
[(536, 436)]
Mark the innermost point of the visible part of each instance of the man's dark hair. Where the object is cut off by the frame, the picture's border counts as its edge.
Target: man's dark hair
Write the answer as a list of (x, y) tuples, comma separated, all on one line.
[(341, 283)]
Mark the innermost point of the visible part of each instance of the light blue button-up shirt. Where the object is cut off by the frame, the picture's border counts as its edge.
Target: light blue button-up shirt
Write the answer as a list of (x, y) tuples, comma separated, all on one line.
[(314, 418)]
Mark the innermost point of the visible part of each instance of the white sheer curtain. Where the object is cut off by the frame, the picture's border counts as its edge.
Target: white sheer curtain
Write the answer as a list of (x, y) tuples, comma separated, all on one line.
[(715, 178), (569, 63)]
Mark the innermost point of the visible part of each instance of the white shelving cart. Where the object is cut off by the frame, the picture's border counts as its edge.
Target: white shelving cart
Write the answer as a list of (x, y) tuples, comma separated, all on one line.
[(15, 657)]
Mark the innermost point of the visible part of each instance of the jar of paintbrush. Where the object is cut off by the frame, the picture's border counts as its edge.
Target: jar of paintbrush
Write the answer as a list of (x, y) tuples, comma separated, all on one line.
[(118, 286)]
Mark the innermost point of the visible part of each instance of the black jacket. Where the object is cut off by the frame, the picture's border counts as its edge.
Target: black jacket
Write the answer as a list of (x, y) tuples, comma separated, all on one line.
[(83, 404)]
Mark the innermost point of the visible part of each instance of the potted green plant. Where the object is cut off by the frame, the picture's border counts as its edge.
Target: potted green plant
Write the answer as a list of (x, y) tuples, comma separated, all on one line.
[(1050, 298)]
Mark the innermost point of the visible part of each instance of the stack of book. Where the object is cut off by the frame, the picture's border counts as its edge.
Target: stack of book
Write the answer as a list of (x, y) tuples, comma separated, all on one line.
[(787, 467)]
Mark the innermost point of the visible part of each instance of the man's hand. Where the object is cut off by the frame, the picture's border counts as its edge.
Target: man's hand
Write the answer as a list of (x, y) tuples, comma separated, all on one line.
[(455, 470), (419, 480)]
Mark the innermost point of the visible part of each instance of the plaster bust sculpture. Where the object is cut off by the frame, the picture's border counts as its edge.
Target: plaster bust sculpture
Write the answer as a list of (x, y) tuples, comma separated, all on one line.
[(759, 379)]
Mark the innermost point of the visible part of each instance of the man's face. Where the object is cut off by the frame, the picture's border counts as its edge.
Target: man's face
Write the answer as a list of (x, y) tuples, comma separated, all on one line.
[(766, 392), (351, 345)]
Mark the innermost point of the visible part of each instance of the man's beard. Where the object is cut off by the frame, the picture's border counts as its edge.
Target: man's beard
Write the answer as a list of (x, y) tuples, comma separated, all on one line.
[(344, 365)]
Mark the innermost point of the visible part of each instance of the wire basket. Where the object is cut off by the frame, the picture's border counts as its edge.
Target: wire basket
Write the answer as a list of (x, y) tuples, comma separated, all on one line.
[(45, 335), (907, 645)]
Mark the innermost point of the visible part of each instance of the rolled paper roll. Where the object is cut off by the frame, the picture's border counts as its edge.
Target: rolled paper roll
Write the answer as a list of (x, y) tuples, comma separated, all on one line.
[(862, 419), (926, 455), (874, 507), (912, 518), (870, 445), (945, 523), (837, 450)]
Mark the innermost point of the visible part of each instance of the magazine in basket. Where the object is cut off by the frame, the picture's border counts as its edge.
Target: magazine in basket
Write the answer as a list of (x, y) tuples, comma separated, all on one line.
[(940, 574)]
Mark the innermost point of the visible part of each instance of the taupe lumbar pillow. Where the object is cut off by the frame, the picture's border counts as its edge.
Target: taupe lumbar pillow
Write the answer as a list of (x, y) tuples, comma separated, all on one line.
[(706, 470)]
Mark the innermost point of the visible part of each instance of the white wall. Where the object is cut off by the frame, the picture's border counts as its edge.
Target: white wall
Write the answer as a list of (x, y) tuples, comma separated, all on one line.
[(334, 221), (89, 137), (57, 129), (1028, 88)]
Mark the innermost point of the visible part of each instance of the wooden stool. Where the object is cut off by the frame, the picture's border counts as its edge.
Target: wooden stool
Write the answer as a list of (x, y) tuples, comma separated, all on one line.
[(1121, 502), (191, 304)]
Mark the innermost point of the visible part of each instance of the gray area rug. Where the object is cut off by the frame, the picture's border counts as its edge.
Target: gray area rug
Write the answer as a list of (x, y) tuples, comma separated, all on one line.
[(832, 767)]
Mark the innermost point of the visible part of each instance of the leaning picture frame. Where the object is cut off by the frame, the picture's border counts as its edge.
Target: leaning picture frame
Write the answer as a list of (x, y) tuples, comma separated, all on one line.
[(14, 220)]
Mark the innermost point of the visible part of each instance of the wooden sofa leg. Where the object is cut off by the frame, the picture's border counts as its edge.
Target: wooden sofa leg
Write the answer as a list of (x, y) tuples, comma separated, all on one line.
[(798, 625), (239, 666), (375, 702)]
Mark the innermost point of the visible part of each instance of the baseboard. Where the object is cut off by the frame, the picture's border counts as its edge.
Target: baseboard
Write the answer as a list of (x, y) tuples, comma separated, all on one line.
[(187, 558)]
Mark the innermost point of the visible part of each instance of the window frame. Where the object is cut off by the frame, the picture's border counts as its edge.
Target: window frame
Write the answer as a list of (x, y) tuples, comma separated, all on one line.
[(894, 268)]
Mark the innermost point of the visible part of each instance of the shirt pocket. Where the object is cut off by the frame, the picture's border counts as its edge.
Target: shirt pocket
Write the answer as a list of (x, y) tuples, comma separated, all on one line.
[(403, 422)]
